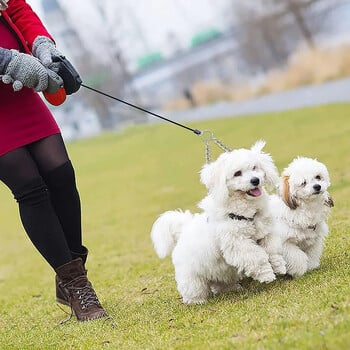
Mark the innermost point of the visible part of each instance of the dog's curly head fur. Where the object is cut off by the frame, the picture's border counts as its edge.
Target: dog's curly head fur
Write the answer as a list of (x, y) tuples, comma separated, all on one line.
[(241, 170), (304, 180)]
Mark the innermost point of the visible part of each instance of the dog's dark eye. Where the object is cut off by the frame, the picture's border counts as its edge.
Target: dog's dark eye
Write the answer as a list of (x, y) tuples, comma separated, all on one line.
[(318, 177), (255, 167), (237, 173), (303, 183)]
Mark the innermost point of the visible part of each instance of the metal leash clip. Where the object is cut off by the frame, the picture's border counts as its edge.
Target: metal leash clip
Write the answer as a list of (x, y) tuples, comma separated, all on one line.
[(208, 136)]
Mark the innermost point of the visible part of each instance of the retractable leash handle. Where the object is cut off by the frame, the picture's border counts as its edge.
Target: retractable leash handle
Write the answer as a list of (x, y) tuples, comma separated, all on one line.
[(70, 81)]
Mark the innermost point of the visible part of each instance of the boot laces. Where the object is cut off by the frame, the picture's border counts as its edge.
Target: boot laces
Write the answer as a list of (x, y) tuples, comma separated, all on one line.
[(84, 293)]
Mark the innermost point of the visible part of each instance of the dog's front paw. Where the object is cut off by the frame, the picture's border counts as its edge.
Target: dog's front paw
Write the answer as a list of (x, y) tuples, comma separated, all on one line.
[(264, 274), (313, 264), (296, 270), (278, 264), (266, 277)]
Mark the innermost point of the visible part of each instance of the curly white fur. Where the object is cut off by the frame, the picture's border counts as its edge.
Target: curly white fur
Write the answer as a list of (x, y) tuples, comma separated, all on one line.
[(300, 214), (211, 251)]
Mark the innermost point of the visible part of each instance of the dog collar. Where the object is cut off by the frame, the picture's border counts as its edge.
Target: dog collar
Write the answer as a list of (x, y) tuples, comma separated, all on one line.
[(239, 217)]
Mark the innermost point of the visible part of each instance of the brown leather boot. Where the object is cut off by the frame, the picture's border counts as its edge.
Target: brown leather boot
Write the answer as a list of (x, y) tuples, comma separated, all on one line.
[(81, 295), (61, 296)]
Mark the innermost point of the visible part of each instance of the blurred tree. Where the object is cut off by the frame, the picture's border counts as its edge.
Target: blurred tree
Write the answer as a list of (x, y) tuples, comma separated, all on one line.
[(296, 8), (88, 65), (112, 77), (270, 30), (262, 39)]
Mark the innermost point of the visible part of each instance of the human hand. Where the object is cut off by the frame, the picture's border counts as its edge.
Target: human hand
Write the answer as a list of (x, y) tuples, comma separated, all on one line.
[(44, 49), (24, 70)]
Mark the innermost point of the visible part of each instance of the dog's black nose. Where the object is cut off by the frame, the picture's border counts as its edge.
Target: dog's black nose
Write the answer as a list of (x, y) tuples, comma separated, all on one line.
[(317, 188), (255, 181)]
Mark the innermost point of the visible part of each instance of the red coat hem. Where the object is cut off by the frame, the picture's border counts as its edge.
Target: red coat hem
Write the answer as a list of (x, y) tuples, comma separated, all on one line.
[(29, 140)]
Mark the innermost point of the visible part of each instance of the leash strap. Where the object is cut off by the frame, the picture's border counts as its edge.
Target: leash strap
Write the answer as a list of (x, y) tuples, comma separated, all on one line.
[(196, 131), (206, 135)]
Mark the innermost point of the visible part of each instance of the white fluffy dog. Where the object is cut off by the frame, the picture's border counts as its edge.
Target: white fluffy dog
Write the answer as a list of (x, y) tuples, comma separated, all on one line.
[(212, 250), (300, 214)]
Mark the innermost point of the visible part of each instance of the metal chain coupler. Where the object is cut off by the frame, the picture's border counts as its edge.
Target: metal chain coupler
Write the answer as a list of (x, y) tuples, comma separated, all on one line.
[(207, 137)]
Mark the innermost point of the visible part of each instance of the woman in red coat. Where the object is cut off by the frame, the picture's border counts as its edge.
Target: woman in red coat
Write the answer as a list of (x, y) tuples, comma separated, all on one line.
[(34, 163)]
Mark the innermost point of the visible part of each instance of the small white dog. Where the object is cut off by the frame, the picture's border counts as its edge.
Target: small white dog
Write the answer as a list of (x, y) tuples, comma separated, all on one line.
[(231, 237), (300, 213)]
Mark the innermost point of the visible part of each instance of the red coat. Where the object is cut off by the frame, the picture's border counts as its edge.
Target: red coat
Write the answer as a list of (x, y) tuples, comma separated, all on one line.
[(25, 22), (24, 117)]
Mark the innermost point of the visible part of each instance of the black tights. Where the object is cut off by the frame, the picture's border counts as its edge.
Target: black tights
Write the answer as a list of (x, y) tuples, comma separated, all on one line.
[(42, 180)]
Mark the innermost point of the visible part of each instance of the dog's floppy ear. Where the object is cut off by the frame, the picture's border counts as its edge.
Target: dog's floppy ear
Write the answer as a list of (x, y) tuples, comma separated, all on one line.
[(213, 177), (271, 173), (207, 175), (285, 193)]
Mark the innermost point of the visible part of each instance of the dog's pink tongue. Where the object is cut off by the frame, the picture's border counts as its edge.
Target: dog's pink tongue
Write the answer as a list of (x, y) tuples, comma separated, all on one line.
[(255, 192)]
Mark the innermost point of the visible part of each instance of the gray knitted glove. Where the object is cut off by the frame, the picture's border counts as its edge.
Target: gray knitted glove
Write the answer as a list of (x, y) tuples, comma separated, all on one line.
[(44, 49), (24, 70), (5, 58)]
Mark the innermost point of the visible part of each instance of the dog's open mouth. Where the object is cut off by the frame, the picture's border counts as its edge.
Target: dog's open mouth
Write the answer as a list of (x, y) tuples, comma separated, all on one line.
[(255, 192)]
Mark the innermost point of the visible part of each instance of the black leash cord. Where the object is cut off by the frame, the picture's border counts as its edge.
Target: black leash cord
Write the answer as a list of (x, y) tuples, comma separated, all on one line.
[(196, 131)]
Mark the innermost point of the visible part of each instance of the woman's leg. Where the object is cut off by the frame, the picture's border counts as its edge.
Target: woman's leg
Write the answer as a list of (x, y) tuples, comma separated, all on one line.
[(72, 286), (20, 173), (22, 170), (51, 157)]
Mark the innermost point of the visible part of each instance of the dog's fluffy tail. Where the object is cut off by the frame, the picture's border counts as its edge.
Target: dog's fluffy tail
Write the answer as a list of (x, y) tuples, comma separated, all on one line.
[(167, 229)]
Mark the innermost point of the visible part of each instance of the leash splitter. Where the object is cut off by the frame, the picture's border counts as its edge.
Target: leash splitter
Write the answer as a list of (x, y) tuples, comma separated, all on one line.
[(207, 137)]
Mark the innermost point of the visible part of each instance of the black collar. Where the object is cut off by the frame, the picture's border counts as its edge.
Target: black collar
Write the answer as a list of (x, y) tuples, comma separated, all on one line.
[(239, 217)]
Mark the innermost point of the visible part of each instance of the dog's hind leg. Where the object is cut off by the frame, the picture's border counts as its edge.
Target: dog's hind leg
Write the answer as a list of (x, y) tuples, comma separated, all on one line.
[(229, 283), (193, 289)]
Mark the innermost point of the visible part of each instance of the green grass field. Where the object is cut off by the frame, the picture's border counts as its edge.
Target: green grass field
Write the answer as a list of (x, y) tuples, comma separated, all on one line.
[(126, 180)]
